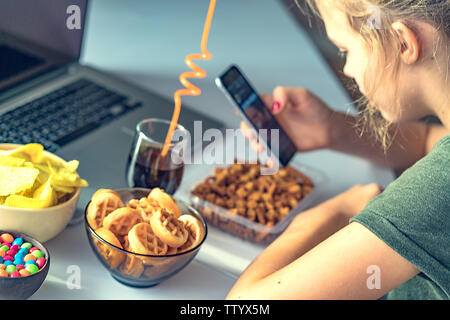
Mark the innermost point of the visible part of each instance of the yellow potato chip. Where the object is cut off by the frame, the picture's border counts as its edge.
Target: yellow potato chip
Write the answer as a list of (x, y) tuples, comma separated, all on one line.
[(29, 179), (17, 201), (72, 166), (63, 189), (46, 192), (11, 161), (16, 179), (65, 179), (31, 152)]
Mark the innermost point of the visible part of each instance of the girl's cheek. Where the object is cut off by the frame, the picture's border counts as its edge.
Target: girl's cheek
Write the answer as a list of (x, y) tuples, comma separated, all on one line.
[(355, 70)]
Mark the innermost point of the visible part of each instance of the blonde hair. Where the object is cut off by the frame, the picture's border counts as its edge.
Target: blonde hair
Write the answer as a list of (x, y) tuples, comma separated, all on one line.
[(379, 36)]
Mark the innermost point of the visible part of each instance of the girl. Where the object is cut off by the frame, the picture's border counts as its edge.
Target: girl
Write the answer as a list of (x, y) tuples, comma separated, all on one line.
[(364, 244)]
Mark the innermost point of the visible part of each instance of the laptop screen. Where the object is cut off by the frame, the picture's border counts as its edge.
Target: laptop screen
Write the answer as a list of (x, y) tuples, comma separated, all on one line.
[(38, 36)]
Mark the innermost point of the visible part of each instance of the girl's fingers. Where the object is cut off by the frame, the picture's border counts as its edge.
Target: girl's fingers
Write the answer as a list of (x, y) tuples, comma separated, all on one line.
[(247, 131), (286, 95), (281, 99), (249, 134), (257, 147)]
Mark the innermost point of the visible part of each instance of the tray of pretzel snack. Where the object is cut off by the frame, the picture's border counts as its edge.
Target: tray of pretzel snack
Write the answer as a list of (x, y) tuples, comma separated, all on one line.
[(146, 232), (239, 200)]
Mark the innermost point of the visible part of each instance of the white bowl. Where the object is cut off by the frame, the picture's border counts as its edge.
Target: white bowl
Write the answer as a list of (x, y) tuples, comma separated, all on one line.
[(41, 224)]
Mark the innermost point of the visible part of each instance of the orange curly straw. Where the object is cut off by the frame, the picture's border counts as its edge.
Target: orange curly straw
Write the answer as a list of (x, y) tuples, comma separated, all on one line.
[(197, 72)]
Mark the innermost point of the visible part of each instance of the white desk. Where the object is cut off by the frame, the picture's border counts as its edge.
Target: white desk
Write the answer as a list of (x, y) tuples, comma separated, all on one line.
[(146, 42)]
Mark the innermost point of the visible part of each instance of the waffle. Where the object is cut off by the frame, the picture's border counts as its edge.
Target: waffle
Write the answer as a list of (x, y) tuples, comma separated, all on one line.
[(144, 241), (188, 245), (101, 191), (165, 201), (132, 266), (145, 206), (196, 232), (122, 220), (124, 242), (112, 256), (168, 228), (171, 250), (103, 202)]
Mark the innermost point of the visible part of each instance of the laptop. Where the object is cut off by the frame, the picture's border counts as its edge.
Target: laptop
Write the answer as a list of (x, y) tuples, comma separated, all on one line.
[(74, 111)]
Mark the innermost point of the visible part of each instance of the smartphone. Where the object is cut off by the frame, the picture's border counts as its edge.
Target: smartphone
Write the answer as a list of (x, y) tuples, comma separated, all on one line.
[(238, 89)]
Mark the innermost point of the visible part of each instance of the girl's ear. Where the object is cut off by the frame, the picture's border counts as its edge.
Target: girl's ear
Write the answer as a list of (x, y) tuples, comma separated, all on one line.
[(410, 45)]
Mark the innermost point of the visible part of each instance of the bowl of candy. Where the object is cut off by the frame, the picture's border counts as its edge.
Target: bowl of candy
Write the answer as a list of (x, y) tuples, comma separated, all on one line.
[(39, 191), (24, 264), (142, 236)]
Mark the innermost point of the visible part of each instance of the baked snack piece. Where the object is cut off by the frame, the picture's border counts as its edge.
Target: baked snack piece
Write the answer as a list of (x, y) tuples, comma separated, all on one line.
[(101, 191), (165, 201), (112, 256), (144, 241), (122, 220), (145, 206), (103, 202), (168, 228), (132, 266), (195, 229)]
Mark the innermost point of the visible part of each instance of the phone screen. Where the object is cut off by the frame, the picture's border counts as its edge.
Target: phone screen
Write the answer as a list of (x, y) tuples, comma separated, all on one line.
[(256, 112)]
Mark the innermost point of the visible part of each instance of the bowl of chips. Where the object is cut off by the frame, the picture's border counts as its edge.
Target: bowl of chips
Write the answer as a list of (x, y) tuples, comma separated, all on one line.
[(39, 191)]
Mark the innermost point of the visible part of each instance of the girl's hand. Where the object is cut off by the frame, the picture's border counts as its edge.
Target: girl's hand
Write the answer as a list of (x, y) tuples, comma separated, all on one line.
[(353, 201), (304, 117)]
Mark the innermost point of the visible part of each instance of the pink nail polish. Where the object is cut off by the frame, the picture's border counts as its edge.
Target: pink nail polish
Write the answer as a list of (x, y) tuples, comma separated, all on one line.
[(276, 106)]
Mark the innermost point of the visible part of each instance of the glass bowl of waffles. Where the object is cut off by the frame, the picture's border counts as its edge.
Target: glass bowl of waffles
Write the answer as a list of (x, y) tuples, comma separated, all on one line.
[(143, 236)]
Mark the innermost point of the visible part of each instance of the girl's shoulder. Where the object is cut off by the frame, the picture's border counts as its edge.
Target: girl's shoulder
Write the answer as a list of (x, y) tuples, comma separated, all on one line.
[(412, 215)]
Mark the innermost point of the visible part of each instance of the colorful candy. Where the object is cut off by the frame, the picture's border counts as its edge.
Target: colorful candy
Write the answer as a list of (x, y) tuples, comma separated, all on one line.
[(6, 237), (15, 274), (40, 262), (24, 272), (37, 253), (30, 262), (18, 242), (10, 268), (22, 252), (29, 257), (19, 258), (26, 245), (32, 268)]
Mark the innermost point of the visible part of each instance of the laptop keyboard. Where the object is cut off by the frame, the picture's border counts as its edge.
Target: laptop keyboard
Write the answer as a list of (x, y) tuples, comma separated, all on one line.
[(63, 115)]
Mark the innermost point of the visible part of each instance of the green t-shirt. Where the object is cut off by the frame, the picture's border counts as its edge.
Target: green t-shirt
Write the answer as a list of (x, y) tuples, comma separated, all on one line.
[(412, 216)]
